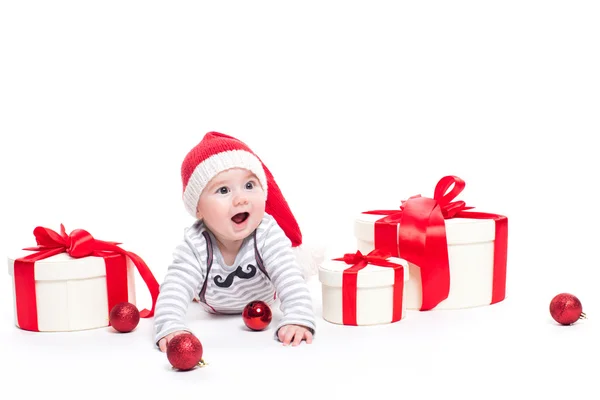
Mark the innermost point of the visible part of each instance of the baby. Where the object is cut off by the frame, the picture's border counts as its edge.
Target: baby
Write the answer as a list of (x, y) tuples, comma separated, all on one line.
[(241, 248)]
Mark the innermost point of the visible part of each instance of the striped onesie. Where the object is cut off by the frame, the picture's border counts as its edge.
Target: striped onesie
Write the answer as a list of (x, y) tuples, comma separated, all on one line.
[(264, 268)]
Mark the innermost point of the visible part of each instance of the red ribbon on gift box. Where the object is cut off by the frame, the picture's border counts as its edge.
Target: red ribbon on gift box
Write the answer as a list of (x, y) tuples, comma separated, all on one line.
[(79, 243), (421, 238), (350, 277)]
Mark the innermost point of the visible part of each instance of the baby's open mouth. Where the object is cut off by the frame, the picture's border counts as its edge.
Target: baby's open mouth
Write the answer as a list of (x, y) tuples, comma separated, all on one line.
[(240, 217)]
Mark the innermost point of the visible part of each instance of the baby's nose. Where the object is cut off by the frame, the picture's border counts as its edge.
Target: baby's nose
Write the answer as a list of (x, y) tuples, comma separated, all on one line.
[(240, 200)]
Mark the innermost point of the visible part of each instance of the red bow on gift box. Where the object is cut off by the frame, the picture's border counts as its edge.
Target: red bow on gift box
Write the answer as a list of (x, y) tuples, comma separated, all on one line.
[(421, 238), (358, 260), (79, 243)]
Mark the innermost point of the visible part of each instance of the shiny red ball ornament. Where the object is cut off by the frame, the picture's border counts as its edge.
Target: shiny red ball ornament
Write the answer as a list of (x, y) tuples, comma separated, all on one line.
[(124, 317), (184, 352), (257, 315), (566, 309)]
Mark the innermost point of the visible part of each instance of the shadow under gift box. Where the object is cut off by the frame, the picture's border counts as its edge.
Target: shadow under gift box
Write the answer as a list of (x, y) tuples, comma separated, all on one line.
[(374, 292), (470, 256), (71, 293)]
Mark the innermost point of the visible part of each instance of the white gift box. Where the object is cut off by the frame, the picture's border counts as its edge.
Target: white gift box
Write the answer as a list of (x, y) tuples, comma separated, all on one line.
[(71, 293), (470, 255), (374, 292)]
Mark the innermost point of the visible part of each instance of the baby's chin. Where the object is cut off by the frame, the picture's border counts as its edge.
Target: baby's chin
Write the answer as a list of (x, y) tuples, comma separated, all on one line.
[(237, 236)]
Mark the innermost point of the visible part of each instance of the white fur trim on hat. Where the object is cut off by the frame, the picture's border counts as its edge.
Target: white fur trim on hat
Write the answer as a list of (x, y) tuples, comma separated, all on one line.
[(215, 164)]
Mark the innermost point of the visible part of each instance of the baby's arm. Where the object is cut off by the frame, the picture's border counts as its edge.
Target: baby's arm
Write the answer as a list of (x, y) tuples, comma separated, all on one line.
[(181, 283), (286, 275)]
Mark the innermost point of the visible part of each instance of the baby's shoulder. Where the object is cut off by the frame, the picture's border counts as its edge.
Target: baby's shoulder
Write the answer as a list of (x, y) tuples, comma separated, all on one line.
[(268, 230), (266, 225), (268, 220), (194, 234)]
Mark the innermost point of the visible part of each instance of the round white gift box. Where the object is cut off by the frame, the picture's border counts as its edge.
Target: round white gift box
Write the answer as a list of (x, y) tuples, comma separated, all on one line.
[(374, 297), (71, 293)]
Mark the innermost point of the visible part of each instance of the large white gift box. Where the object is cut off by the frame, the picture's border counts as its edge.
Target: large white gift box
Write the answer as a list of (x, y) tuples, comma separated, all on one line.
[(66, 293), (71, 282), (456, 256), (374, 295), (470, 257)]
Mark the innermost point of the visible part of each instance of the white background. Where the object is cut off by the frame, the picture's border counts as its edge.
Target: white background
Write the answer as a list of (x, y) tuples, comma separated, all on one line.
[(353, 106)]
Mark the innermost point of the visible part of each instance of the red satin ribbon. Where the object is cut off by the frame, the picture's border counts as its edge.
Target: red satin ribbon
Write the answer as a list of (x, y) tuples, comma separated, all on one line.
[(79, 243), (350, 277), (421, 238)]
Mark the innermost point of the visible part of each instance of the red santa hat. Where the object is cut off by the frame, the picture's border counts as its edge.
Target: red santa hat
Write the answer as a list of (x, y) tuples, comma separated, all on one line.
[(218, 152)]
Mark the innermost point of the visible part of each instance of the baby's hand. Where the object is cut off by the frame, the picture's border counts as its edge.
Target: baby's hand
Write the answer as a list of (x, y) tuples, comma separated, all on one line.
[(294, 334), (164, 342)]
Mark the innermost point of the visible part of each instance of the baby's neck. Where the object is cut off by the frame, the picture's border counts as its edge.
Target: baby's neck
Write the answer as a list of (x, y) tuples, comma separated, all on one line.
[(229, 249)]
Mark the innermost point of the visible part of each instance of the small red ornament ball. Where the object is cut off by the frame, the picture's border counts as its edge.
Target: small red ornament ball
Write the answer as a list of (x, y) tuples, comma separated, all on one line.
[(124, 317), (184, 352), (566, 309), (257, 315)]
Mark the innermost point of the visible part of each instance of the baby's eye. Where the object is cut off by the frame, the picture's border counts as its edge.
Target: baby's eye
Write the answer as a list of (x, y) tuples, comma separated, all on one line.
[(223, 190), (250, 185)]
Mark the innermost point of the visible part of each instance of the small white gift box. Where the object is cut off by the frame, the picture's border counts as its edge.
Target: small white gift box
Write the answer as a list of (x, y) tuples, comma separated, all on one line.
[(364, 294)]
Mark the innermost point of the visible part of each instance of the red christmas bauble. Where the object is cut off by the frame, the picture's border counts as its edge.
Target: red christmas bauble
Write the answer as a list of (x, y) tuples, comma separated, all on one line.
[(566, 309), (184, 352), (124, 317), (257, 315)]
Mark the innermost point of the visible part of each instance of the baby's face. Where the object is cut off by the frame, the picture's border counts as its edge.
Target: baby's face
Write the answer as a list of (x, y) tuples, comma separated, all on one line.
[(232, 205)]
